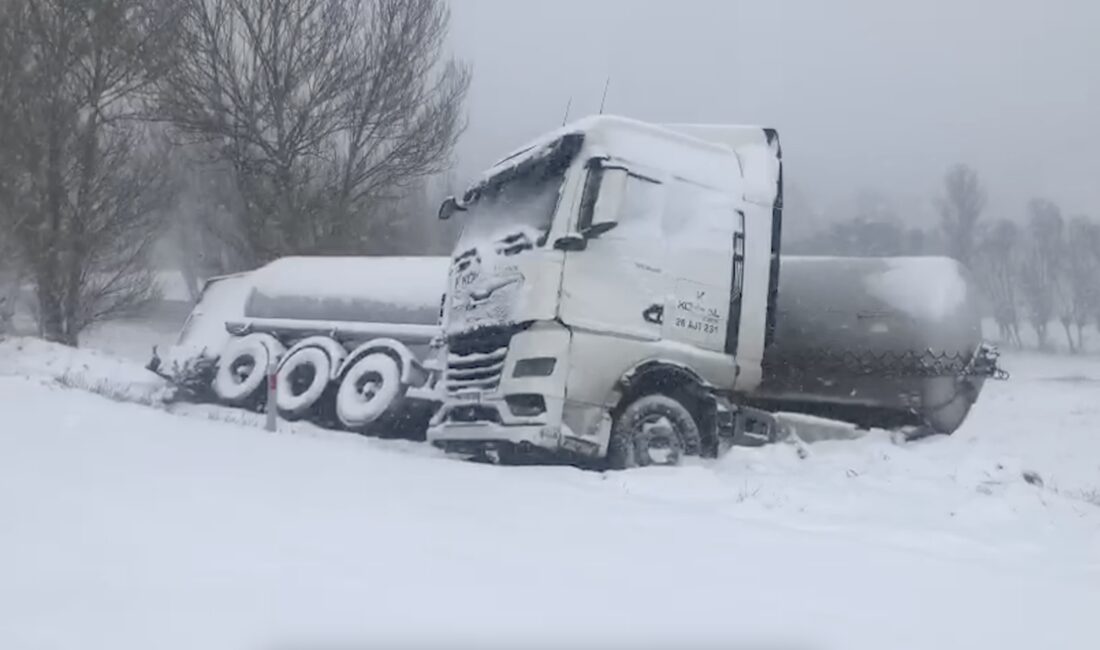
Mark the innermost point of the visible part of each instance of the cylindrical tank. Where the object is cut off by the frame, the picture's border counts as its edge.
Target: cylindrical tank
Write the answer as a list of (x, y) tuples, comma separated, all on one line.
[(877, 341), (404, 290)]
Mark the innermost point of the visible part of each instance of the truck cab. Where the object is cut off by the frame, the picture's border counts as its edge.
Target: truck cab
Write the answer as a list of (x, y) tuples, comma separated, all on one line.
[(613, 284)]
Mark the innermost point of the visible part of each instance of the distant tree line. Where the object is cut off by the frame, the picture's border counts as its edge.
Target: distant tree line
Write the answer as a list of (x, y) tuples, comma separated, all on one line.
[(1042, 270), (1046, 270), (236, 130)]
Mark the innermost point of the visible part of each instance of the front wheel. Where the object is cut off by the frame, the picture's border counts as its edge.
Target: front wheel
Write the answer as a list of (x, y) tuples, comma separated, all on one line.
[(652, 430)]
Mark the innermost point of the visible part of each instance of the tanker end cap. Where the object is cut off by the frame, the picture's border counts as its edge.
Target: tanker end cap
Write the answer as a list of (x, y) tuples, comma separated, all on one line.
[(985, 363)]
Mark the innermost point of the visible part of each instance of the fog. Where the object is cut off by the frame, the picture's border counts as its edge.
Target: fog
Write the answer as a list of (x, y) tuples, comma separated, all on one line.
[(867, 95)]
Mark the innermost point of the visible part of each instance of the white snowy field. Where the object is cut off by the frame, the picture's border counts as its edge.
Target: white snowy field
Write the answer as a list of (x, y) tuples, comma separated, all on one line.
[(129, 526)]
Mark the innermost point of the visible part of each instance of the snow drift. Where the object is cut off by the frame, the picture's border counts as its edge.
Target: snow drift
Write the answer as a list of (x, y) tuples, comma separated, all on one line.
[(128, 527)]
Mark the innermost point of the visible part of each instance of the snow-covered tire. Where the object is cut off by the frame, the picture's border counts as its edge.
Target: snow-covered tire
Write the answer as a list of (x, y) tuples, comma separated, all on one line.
[(242, 369), (652, 430), (369, 387), (301, 380)]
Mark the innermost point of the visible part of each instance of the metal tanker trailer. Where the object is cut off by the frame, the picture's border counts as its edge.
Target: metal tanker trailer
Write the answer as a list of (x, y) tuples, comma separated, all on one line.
[(885, 342), (347, 337)]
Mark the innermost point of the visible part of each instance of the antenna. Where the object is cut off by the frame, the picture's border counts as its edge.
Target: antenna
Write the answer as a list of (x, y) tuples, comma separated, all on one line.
[(568, 105), (604, 98)]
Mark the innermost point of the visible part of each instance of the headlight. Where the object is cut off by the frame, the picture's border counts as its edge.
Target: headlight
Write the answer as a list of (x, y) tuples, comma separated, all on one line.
[(535, 367)]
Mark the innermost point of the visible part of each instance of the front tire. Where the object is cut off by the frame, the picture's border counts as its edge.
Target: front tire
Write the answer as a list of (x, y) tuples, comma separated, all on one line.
[(653, 430)]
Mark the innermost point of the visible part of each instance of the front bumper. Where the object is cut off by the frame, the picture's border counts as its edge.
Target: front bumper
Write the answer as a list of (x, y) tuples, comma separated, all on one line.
[(479, 438), (476, 388), (490, 419), (549, 433)]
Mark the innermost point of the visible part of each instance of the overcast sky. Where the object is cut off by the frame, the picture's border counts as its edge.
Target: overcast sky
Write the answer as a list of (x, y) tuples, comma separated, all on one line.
[(867, 94)]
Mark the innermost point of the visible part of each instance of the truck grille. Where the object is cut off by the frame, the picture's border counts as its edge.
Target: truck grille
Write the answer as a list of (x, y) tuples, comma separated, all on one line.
[(479, 372), (475, 361)]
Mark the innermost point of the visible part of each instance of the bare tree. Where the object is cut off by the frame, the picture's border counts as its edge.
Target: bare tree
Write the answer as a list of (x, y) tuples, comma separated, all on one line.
[(324, 109), (996, 261), (203, 240), (84, 190), (12, 59), (1041, 276), (1082, 266), (960, 208)]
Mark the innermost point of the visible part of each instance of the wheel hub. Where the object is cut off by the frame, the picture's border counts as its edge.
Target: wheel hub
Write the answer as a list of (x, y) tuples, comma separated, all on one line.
[(301, 379), (657, 442), (368, 388), (243, 368)]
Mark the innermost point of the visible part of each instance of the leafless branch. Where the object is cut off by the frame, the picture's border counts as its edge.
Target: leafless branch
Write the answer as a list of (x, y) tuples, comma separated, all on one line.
[(321, 108), (84, 195)]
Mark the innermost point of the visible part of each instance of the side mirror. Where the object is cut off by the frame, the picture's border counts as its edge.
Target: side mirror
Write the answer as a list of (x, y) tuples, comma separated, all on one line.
[(449, 207), (609, 201)]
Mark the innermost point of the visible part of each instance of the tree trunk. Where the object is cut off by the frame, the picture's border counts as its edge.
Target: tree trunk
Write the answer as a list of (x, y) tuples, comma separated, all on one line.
[(1069, 336), (51, 319)]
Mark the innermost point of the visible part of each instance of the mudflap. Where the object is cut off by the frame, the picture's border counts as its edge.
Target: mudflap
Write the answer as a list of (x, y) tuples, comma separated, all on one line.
[(755, 427), (744, 426)]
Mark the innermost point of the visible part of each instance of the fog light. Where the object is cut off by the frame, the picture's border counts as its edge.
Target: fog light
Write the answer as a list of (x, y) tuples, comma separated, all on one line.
[(526, 404), (535, 367)]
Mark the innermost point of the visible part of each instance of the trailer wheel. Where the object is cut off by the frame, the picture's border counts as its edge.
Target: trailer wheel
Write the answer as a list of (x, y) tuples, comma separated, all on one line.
[(652, 430), (369, 387), (302, 379), (242, 368)]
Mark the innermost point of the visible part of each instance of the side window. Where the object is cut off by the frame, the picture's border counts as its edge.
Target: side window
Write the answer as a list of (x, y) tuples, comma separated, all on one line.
[(592, 181)]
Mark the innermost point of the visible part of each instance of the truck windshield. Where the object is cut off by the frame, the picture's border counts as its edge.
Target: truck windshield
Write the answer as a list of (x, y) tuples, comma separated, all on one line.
[(519, 208)]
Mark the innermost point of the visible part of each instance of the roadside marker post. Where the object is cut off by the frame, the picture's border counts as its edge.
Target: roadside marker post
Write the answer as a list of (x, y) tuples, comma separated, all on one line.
[(271, 408)]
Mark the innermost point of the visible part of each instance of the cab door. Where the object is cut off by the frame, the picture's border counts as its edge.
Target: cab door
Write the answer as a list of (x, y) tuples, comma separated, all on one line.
[(618, 283), (704, 233)]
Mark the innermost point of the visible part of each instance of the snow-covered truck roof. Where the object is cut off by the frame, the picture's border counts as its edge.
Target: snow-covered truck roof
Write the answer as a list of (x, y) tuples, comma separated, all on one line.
[(756, 149)]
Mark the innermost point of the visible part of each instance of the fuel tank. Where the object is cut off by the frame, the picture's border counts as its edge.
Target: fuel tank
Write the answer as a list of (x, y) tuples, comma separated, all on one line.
[(876, 341), (398, 290)]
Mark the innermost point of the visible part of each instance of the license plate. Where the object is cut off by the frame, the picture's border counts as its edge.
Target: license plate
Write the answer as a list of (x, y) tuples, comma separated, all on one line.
[(470, 397)]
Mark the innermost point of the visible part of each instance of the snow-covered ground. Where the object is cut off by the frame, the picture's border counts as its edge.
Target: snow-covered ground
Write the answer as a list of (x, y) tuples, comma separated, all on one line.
[(129, 526)]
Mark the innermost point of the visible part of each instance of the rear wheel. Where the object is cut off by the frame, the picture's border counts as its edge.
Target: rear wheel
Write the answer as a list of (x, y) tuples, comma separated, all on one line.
[(653, 430), (302, 379), (242, 368), (370, 387)]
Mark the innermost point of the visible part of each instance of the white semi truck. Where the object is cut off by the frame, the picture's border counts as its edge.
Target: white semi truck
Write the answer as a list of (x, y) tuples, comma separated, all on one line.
[(617, 296)]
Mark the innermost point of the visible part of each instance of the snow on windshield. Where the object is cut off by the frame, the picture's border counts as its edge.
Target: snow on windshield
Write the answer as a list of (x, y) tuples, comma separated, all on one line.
[(524, 204)]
